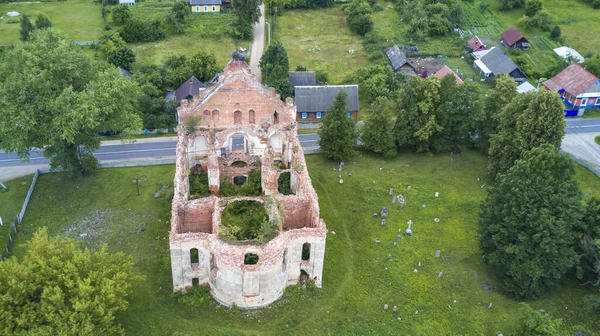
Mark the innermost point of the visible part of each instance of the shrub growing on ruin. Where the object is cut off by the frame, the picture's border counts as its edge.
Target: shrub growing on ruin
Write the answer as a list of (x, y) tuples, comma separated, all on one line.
[(246, 220)]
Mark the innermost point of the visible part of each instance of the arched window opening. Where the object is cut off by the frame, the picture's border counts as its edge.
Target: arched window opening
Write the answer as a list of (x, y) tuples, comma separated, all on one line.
[(194, 258), (250, 259), (284, 183), (275, 118), (215, 116), (306, 251), (195, 282), (206, 116), (237, 117), (251, 117), (240, 180)]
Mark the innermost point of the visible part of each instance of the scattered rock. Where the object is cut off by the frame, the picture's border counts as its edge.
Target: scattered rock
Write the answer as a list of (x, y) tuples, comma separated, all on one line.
[(394, 309), (416, 271), (385, 307), (333, 233), (437, 194), (437, 220), (441, 275)]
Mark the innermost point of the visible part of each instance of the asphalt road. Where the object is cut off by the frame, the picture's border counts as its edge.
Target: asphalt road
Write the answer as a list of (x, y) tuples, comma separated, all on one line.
[(583, 126), (125, 152)]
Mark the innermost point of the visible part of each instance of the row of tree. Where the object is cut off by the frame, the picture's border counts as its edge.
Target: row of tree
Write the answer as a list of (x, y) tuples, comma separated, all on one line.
[(42, 22)]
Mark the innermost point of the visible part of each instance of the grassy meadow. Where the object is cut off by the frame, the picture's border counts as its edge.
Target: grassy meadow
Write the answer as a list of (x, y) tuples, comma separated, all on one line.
[(11, 202), (359, 277), (320, 40), (80, 20)]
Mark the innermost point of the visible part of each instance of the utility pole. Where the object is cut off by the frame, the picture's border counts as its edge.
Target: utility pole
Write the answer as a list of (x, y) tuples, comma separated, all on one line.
[(269, 33)]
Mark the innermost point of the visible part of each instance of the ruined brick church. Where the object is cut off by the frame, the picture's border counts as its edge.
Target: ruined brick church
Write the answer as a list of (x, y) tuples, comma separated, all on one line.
[(243, 126)]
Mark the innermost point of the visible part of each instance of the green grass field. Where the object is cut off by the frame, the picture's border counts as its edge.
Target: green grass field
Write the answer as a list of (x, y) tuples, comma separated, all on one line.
[(11, 202), (204, 32), (320, 39), (104, 208), (81, 20)]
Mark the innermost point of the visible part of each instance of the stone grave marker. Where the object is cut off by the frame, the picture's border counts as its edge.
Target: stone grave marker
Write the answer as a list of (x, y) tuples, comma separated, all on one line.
[(341, 181), (408, 230), (447, 258), (394, 309), (419, 264), (389, 257), (391, 191), (354, 163), (400, 198), (393, 199), (437, 220), (438, 253), (408, 188), (377, 241), (340, 169), (384, 212), (441, 274), (349, 174), (385, 307), (383, 222), (437, 194), (424, 206), (342, 163), (416, 271)]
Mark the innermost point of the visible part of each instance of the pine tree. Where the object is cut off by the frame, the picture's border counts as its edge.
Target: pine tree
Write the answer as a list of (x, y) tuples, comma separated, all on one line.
[(26, 28), (337, 133), (378, 133), (528, 221)]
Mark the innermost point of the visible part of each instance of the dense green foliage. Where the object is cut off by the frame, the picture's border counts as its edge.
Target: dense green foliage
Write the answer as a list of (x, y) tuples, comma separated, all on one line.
[(43, 22), (555, 33), (535, 323), (121, 14), (588, 243), (199, 185), (136, 30), (26, 28), (246, 220), (338, 133), (592, 64), (359, 17), (377, 81), (528, 220), (504, 90), (510, 4), (180, 68), (69, 101), (437, 115), (532, 7), (274, 66), (251, 188), (122, 57), (528, 121), (177, 16), (247, 10), (153, 83), (378, 132), (284, 183), (59, 289), (426, 18), (277, 5)]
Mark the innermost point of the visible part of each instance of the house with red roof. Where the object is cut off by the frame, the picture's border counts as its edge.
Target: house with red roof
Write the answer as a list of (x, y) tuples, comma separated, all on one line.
[(476, 45), (446, 71), (512, 38), (578, 88)]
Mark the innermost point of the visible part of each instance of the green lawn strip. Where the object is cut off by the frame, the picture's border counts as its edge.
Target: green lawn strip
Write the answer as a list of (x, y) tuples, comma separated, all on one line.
[(81, 20), (139, 136), (11, 202), (592, 113), (320, 39), (104, 208)]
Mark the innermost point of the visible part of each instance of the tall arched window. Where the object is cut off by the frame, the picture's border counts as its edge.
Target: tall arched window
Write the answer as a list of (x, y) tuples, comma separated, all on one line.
[(206, 116), (237, 117), (275, 118), (306, 251), (215, 116), (194, 258), (251, 117)]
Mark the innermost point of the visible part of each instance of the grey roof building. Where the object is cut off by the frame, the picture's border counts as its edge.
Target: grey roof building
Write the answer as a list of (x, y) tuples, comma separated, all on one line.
[(320, 98), (398, 60), (191, 88), (497, 63), (302, 78)]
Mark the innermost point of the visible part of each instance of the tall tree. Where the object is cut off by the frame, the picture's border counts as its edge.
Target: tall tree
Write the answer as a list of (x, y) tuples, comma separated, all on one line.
[(247, 10), (592, 64), (532, 7), (43, 22), (26, 28), (378, 133), (121, 14), (274, 66), (338, 133), (504, 90), (528, 121), (123, 57), (359, 17), (588, 243), (53, 97), (528, 221), (59, 289)]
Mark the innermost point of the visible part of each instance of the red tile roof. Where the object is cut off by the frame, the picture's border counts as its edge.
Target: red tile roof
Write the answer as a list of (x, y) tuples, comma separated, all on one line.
[(445, 71), (574, 79), (511, 36), (475, 44)]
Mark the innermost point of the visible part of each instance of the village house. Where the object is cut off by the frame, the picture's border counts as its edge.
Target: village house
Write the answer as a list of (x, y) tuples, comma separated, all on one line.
[(313, 101), (475, 44), (205, 6), (569, 54), (188, 90), (302, 78), (494, 63), (399, 61), (512, 38), (446, 71), (578, 88)]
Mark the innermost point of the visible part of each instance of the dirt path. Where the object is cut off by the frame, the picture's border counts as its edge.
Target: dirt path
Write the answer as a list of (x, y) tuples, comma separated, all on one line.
[(258, 44)]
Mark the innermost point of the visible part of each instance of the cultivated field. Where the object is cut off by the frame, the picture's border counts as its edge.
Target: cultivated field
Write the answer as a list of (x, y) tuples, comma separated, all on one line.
[(359, 277), (320, 39), (81, 20)]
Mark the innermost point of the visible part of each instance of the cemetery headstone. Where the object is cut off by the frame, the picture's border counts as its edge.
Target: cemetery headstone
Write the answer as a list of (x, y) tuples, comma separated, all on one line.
[(391, 191), (447, 258), (382, 222), (419, 264), (437, 194), (342, 163), (333, 233), (389, 257), (437, 220), (377, 241), (441, 274), (399, 318), (393, 199), (408, 230), (416, 271), (385, 307), (438, 253), (349, 174), (424, 206), (341, 181), (400, 198), (490, 306), (394, 309), (408, 188), (354, 163), (384, 212)]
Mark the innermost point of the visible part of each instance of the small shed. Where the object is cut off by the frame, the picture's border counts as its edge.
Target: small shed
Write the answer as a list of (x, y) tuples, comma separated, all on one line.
[(127, 2), (475, 44), (512, 38), (525, 87), (302, 78), (399, 61)]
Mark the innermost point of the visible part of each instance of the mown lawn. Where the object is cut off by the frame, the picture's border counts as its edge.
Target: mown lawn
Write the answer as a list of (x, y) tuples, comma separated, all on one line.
[(358, 277), (320, 40), (81, 20)]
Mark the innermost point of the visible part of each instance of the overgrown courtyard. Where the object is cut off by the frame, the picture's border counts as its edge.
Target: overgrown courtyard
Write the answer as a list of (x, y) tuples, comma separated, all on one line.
[(361, 274)]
